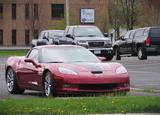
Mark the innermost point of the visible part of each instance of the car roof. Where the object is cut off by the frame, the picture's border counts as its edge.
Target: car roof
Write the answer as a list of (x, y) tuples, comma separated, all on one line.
[(82, 26), (148, 27), (52, 30)]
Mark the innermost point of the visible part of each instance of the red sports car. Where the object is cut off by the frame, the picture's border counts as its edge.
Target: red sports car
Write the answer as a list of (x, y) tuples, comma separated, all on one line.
[(64, 69)]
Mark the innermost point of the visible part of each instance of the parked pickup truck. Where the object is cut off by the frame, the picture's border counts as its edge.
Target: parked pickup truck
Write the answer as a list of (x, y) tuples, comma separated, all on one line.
[(47, 37), (141, 42), (89, 37)]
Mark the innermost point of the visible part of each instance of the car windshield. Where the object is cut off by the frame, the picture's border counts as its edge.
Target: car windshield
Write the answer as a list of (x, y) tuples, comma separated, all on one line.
[(155, 32), (87, 32), (56, 33), (67, 54)]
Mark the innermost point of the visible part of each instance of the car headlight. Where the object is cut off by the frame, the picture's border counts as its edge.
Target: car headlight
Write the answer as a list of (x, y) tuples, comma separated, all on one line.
[(67, 71), (121, 70)]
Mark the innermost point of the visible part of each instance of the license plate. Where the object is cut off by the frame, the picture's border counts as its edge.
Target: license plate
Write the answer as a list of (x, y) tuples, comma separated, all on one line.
[(97, 52), (108, 51)]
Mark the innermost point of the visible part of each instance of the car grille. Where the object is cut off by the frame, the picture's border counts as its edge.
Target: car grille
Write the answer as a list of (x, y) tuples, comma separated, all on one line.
[(96, 44), (98, 86), (96, 72)]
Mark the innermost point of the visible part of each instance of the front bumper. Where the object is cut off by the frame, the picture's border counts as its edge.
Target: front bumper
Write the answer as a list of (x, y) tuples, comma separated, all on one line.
[(153, 49), (84, 85), (102, 51)]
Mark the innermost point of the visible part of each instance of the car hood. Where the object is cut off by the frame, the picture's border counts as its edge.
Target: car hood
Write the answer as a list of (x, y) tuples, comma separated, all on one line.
[(91, 38), (86, 67)]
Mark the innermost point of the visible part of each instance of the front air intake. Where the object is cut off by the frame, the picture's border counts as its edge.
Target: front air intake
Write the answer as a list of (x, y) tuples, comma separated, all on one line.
[(97, 72)]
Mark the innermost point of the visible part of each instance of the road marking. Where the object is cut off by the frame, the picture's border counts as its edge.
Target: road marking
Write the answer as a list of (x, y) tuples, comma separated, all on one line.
[(149, 72), (146, 90), (142, 64)]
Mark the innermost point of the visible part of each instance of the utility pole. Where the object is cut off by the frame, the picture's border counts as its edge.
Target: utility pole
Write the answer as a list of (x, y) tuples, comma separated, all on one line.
[(67, 12)]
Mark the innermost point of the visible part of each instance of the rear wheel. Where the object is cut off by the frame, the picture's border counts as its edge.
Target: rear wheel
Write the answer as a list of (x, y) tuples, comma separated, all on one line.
[(12, 85), (142, 55), (48, 85), (117, 54)]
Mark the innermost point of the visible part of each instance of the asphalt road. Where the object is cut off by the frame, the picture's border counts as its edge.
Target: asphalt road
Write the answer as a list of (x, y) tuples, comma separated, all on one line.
[(144, 77)]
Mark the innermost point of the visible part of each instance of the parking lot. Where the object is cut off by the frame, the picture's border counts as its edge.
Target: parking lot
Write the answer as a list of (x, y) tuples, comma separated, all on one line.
[(144, 75)]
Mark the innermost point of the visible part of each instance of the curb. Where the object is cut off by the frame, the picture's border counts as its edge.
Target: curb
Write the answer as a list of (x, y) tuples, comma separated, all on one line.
[(15, 48), (146, 90), (129, 114)]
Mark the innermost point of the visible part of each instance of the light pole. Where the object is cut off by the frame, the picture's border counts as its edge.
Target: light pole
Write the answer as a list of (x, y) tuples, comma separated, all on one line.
[(67, 12)]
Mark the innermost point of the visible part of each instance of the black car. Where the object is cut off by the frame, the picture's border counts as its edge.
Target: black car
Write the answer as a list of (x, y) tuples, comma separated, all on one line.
[(89, 37), (141, 42)]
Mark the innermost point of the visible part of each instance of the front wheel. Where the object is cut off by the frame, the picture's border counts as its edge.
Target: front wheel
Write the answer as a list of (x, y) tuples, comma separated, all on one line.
[(142, 55), (12, 85), (109, 57), (48, 85), (117, 54)]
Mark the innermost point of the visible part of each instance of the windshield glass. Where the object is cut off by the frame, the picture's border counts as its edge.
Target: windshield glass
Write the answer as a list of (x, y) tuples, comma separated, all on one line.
[(87, 32), (67, 54), (56, 34), (155, 32)]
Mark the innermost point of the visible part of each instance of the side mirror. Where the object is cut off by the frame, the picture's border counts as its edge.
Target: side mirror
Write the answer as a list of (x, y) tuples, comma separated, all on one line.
[(102, 59), (45, 38), (106, 34), (122, 38), (27, 60), (69, 36)]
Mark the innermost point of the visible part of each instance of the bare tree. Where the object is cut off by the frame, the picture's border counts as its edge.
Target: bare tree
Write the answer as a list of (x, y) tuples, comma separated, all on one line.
[(152, 12), (129, 12), (115, 16), (33, 22)]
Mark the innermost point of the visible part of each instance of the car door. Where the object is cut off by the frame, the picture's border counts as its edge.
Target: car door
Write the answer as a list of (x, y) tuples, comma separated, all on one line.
[(124, 45), (129, 42), (27, 73)]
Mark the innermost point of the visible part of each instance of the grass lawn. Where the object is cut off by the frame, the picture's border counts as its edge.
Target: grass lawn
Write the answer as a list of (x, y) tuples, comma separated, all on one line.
[(81, 105), (6, 53)]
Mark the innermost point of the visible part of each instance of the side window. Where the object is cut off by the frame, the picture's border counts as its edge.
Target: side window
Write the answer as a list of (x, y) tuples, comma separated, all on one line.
[(34, 55), (132, 35), (66, 31), (145, 32), (70, 31), (126, 36), (46, 34), (41, 35), (50, 35), (139, 32)]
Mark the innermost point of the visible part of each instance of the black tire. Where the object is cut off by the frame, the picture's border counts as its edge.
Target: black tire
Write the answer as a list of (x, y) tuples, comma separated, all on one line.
[(109, 57), (48, 83), (117, 54), (32, 46), (11, 82), (142, 54)]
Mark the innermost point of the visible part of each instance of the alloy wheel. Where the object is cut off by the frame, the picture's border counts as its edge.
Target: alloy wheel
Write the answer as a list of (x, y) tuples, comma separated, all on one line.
[(48, 85), (10, 80), (140, 53)]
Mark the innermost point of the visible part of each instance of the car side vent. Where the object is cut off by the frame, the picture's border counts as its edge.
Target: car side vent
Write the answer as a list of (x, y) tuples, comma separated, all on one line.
[(96, 72)]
